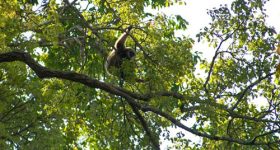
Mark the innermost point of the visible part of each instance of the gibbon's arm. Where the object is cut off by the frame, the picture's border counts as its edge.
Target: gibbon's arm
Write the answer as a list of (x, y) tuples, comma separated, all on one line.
[(119, 45)]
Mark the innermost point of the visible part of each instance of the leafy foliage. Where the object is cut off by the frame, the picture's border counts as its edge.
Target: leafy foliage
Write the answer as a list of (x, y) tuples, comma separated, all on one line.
[(44, 104)]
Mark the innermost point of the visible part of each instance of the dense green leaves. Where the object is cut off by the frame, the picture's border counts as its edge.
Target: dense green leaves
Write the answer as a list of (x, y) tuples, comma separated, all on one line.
[(233, 102)]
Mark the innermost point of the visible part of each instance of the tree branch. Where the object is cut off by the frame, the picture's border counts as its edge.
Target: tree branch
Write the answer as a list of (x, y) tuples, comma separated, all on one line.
[(43, 72), (250, 87), (146, 128)]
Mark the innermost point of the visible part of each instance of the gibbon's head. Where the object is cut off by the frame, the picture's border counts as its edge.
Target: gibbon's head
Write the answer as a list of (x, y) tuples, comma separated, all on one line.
[(129, 53)]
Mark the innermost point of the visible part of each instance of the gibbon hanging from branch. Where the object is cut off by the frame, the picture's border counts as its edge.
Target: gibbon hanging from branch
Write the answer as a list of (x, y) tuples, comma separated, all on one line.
[(119, 53)]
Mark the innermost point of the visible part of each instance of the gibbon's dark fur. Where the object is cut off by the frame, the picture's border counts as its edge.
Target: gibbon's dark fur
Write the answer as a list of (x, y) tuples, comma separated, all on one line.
[(119, 53)]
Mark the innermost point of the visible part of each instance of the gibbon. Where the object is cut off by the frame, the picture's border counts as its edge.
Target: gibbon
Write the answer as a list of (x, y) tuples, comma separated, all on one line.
[(119, 53)]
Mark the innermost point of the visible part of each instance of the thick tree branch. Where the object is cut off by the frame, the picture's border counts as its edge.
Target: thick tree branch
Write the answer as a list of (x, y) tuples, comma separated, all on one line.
[(43, 72)]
